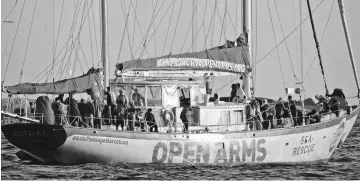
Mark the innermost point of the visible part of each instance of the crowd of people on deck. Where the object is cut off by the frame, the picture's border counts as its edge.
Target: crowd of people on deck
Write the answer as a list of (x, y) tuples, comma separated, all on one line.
[(286, 114), (118, 111)]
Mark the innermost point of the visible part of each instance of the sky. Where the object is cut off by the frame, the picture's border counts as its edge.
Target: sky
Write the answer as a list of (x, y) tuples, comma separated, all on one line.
[(51, 28)]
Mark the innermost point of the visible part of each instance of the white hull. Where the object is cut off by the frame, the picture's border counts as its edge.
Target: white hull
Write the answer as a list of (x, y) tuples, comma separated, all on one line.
[(308, 144)]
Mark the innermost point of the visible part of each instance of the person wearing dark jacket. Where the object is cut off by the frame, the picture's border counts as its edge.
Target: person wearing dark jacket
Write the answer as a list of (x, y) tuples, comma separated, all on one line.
[(151, 122), (89, 111), (184, 116)]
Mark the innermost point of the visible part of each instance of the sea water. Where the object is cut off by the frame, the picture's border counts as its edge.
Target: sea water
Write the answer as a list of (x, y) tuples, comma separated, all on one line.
[(345, 164)]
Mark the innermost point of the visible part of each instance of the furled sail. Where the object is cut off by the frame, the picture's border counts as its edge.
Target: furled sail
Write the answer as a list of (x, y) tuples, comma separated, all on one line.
[(225, 58), (91, 80)]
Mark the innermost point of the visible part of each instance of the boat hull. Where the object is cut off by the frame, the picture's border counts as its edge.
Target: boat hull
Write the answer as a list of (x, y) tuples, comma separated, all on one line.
[(311, 144)]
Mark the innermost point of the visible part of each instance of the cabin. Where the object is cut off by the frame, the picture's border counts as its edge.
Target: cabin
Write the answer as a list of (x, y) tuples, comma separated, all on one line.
[(163, 96)]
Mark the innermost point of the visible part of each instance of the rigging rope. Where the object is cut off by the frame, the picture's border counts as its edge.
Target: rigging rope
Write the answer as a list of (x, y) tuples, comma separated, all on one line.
[(57, 37), (91, 42), (167, 32), (12, 47), (122, 38), (260, 60), (127, 30), (144, 40), (27, 44), (317, 46), (222, 24), (167, 9), (211, 22), (327, 22), (138, 24), (177, 21), (188, 29), (277, 50), (286, 45), (5, 19), (96, 41)]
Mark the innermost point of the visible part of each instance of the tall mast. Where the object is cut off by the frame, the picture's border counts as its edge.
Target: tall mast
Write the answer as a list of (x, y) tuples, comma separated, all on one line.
[(246, 22), (342, 13), (301, 46), (317, 45), (104, 54)]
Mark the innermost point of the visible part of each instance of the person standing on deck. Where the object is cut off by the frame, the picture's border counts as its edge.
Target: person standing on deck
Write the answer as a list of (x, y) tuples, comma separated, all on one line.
[(150, 120), (89, 111), (110, 105), (97, 107), (279, 111), (184, 116), (293, 110), (121, 110)]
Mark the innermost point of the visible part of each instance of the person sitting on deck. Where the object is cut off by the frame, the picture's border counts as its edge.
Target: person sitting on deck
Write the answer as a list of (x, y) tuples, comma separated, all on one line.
[(312, 117), (335, 107), (150, 120), (323, 102)]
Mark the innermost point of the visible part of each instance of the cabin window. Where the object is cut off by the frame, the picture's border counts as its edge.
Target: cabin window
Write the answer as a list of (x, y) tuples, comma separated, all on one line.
[(236, 117), (153, 94)]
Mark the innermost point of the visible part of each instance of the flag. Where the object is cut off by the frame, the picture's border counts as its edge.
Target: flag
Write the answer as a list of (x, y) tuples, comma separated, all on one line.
[(293, 90)]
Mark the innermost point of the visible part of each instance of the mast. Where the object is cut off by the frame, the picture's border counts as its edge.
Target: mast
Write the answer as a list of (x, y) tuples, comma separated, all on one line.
[(317, 45), (246, 21), (104, 54), (342, 13), (301, 46)]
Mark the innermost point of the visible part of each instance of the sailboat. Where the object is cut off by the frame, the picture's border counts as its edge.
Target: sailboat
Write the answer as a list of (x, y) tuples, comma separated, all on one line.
[(219, 133)]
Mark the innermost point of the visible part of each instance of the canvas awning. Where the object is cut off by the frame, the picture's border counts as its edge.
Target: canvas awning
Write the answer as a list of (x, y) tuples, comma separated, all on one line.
[(233, 59), (91, 80)]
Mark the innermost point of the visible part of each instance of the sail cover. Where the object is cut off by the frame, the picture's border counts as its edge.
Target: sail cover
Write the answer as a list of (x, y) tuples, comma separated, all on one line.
[(91, 80), (226, 58)]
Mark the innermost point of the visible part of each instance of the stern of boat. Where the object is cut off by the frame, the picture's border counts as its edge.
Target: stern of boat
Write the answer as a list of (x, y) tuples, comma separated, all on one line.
[(36, 139)]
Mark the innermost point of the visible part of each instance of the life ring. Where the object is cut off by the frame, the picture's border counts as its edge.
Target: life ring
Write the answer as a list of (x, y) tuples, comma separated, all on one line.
[(168, 117)]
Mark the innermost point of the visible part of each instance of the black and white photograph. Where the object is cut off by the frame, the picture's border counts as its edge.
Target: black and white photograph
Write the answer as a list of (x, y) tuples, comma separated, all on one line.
[(180, 90)]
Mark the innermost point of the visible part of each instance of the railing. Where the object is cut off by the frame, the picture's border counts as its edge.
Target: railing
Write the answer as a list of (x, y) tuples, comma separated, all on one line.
[(176, 127)]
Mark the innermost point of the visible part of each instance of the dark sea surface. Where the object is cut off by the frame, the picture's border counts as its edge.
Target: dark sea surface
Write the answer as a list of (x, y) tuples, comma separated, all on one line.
[(345, 165)]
